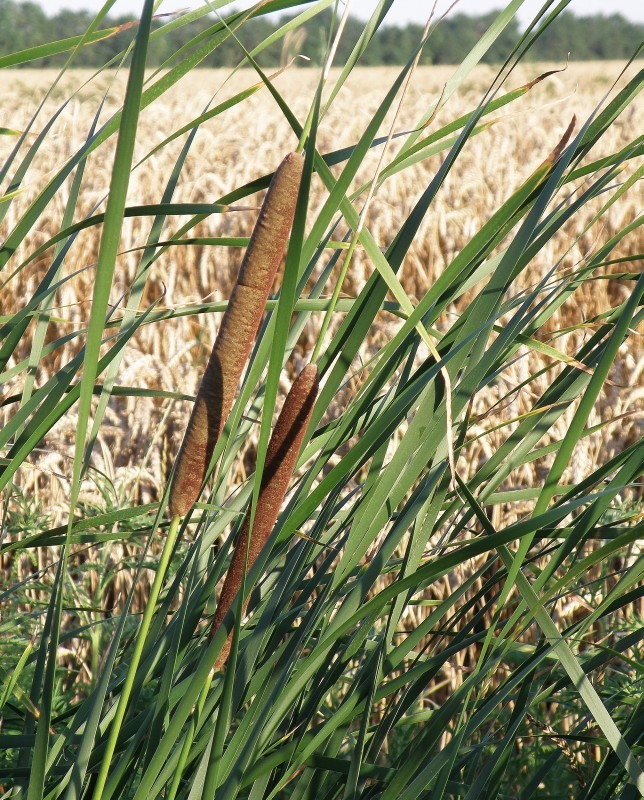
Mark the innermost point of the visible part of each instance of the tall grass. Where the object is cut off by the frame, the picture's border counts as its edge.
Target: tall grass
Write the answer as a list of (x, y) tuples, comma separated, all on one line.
[(447, 604)]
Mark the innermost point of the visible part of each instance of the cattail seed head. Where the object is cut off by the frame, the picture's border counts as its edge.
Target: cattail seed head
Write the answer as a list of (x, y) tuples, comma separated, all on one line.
[(273, 226), (281, 457), (236, 335)]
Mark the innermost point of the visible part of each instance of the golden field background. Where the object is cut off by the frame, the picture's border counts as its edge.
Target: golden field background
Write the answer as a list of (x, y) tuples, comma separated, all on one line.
[(246, 142), (137, 443)]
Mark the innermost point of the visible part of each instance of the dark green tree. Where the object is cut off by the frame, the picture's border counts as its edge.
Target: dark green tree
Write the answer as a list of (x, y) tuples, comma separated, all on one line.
[(25, 24)]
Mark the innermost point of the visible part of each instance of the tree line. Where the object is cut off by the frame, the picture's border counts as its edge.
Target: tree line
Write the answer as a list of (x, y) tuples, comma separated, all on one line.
[(24, 25)]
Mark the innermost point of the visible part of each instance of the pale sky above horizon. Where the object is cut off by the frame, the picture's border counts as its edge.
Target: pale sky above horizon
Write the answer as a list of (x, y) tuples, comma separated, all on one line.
[(403, 11)]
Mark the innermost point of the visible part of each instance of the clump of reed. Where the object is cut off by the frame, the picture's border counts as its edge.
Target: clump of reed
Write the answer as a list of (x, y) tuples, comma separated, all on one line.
[(410, 616), (216, 392), (214, 400)]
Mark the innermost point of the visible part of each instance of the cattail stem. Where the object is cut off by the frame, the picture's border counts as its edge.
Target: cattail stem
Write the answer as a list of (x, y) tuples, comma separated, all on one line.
[(188, 740), (281, 456), (237, 333), (142, 634)]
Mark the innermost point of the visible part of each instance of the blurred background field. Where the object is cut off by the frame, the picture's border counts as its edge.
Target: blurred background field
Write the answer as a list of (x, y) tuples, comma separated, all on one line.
[(136, 448)]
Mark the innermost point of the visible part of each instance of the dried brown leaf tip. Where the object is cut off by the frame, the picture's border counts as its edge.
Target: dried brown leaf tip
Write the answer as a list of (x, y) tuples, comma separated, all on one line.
[(237, 333), (281, 457)]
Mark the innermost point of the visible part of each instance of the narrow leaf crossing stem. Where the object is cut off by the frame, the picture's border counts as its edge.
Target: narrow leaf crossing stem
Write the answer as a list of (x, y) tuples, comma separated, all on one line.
[(164, 562)]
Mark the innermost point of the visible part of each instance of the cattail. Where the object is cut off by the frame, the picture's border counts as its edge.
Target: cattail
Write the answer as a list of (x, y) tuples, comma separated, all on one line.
[(281, 455), (236, 335)]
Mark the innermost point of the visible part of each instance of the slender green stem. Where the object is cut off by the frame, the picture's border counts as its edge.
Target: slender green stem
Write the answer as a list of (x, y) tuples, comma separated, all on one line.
[(334, 299), (332, 47), (363, 214), (183, 758), (136, 657), (188, 740)]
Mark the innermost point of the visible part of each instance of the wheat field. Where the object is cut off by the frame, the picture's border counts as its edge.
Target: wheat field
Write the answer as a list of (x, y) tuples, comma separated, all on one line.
[(135, 449), (137, 444)]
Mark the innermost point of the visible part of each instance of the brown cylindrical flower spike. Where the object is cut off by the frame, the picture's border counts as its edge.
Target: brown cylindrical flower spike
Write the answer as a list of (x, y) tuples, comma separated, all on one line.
[(281, 456), (237, 333)]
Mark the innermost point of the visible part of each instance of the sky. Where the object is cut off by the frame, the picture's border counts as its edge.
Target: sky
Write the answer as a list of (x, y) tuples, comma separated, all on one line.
[(402, 12)]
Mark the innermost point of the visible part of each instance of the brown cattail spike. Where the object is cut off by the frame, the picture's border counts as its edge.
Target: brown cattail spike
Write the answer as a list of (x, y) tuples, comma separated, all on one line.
[(273, 226), (237, 333), (281, 455)]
